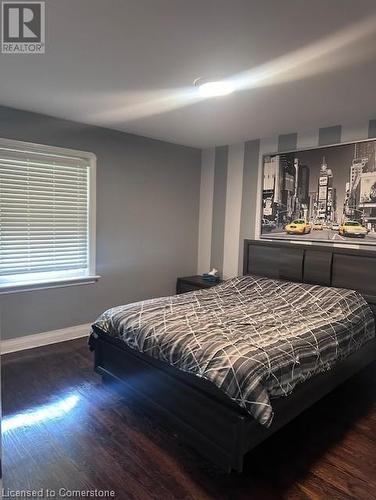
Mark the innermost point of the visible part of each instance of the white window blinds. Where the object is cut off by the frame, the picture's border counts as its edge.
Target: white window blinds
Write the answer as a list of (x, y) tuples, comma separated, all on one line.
[(44, 218)]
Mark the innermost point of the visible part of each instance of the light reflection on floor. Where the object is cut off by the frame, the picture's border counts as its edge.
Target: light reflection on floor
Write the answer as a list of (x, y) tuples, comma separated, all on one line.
[(57, 409)]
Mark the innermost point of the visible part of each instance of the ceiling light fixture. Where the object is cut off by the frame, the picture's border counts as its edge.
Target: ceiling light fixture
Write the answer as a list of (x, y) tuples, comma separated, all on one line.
[(214, 89)]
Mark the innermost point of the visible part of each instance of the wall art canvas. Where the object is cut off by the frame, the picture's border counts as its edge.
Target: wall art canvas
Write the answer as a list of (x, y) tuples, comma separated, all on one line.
[(322, 194)]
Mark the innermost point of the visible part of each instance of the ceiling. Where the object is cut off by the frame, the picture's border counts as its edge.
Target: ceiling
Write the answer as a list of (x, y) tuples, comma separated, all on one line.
[(129, 65)]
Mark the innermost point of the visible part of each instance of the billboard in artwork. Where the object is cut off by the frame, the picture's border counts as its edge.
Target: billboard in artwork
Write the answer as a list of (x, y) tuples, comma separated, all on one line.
[(368, 190), (321, 194)]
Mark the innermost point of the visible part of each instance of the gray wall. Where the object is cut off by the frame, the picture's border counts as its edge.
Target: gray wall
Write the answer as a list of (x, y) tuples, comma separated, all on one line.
[(147, 222)]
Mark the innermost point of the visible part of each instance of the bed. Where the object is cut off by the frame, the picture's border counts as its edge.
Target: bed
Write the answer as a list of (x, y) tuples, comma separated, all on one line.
[(224, 405)]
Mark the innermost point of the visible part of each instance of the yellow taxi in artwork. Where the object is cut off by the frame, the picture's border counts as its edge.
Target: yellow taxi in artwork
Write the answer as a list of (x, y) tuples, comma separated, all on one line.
[(352, 228), (317, 226), (298, 226)]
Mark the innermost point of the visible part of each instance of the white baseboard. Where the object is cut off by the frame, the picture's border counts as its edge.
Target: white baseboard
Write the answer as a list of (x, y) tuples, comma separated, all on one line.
[(45, 338)]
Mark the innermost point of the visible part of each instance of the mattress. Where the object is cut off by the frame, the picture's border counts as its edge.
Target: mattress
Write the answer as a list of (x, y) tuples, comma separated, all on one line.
[(254, 338)]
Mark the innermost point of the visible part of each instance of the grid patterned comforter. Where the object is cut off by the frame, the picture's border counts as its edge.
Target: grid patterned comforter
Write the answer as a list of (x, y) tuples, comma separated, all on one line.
[(254, 338)]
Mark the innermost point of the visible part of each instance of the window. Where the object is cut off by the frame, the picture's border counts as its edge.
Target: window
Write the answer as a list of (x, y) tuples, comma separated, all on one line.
[(47, 216)]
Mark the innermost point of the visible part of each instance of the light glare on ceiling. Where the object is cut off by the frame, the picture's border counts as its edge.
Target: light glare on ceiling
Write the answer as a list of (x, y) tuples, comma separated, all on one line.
[(215, 89)]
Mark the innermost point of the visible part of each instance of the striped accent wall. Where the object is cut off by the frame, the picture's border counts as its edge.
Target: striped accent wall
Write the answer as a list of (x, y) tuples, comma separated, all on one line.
[(231, 186), (233, 209), (248, 194), (206, 210), (219, 207)]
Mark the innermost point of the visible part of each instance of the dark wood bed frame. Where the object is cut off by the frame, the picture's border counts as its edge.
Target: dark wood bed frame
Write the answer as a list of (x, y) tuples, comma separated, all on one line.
[(199, 412)]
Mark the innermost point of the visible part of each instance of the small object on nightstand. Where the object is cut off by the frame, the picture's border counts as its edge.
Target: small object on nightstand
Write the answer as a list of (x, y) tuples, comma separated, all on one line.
[(192, 283), (212, 276)]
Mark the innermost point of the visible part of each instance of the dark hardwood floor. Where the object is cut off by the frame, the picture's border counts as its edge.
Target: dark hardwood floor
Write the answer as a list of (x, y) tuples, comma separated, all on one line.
[(80, 434)]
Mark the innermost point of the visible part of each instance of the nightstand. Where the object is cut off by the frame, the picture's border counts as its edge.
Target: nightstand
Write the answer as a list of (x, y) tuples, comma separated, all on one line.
[(192, 283)]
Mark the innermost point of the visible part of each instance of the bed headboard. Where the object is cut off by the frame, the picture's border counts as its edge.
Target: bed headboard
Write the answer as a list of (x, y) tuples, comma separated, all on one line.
[(316, 264)]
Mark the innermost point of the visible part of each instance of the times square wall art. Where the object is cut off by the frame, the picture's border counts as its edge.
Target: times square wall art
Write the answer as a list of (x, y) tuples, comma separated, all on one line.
[(322, 194)]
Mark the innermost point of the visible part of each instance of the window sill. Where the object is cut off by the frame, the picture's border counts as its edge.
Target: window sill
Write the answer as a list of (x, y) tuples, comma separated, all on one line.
[(43, 285)]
